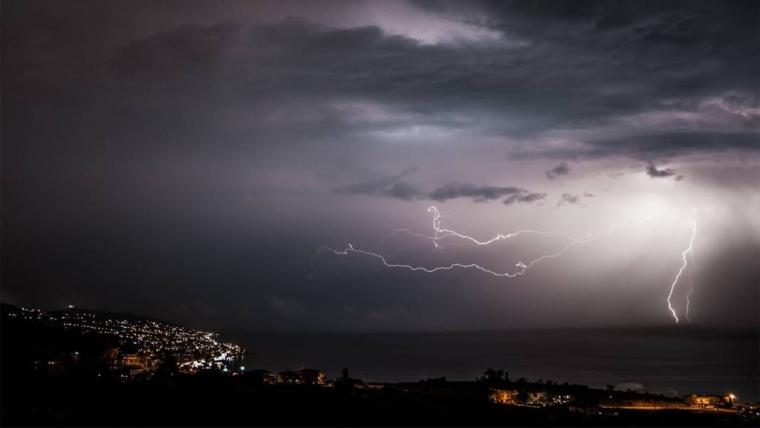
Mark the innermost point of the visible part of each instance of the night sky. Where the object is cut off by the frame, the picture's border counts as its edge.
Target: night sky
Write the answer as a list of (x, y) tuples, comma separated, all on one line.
[(185, 160)]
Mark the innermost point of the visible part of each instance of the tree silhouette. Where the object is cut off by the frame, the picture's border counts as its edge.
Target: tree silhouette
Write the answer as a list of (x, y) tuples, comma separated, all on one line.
[(493, 377)]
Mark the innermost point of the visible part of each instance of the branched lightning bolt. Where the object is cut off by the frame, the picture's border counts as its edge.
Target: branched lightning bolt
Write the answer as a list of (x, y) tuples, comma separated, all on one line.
[(689, 250), (521, 267), (441, 233)]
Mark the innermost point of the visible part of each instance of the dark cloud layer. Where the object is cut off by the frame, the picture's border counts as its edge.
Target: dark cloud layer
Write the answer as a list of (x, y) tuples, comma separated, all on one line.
[(524, 197), (477, 193), (594, 63), (396, 187), (174, 156)]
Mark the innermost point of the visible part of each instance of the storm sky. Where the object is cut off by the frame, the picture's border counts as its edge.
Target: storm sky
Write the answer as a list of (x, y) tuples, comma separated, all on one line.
[(185, 160)]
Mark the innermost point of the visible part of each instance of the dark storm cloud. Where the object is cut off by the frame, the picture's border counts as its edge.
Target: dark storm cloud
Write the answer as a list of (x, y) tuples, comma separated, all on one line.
[(654, 172), (393, 186), (190, 141), (652, 57), (477, 193), (403, 190), (562, 169), (527, 198), (396, 187), (672, 144)]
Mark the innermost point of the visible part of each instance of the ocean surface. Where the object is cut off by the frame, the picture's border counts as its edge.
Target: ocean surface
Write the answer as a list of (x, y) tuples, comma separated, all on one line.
[(672, 361)]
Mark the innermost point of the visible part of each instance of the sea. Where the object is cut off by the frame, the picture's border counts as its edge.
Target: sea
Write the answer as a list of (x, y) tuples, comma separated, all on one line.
[(671, 361)]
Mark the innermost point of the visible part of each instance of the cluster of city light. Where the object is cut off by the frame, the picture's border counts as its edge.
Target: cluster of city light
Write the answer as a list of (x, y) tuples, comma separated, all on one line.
[(157, 337)]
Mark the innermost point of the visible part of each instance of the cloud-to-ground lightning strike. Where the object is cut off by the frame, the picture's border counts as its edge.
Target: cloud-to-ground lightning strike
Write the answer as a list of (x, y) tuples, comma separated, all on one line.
[(688, 251)]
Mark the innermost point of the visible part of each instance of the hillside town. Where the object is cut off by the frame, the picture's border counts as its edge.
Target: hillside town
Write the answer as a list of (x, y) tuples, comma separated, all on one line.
[(140, 345), (83, 352)]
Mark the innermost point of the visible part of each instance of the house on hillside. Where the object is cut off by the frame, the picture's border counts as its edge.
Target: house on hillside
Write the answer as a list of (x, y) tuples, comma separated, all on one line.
[(710, 401), (139, 363), (503, 396), (537, 398)]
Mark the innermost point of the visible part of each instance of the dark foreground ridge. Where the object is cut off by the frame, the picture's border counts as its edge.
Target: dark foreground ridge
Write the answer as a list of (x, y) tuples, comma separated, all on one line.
[(70, 368)]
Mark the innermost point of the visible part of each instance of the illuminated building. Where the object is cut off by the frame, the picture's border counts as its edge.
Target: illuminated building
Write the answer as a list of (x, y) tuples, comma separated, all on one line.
[(705, 401), (503, 396)]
